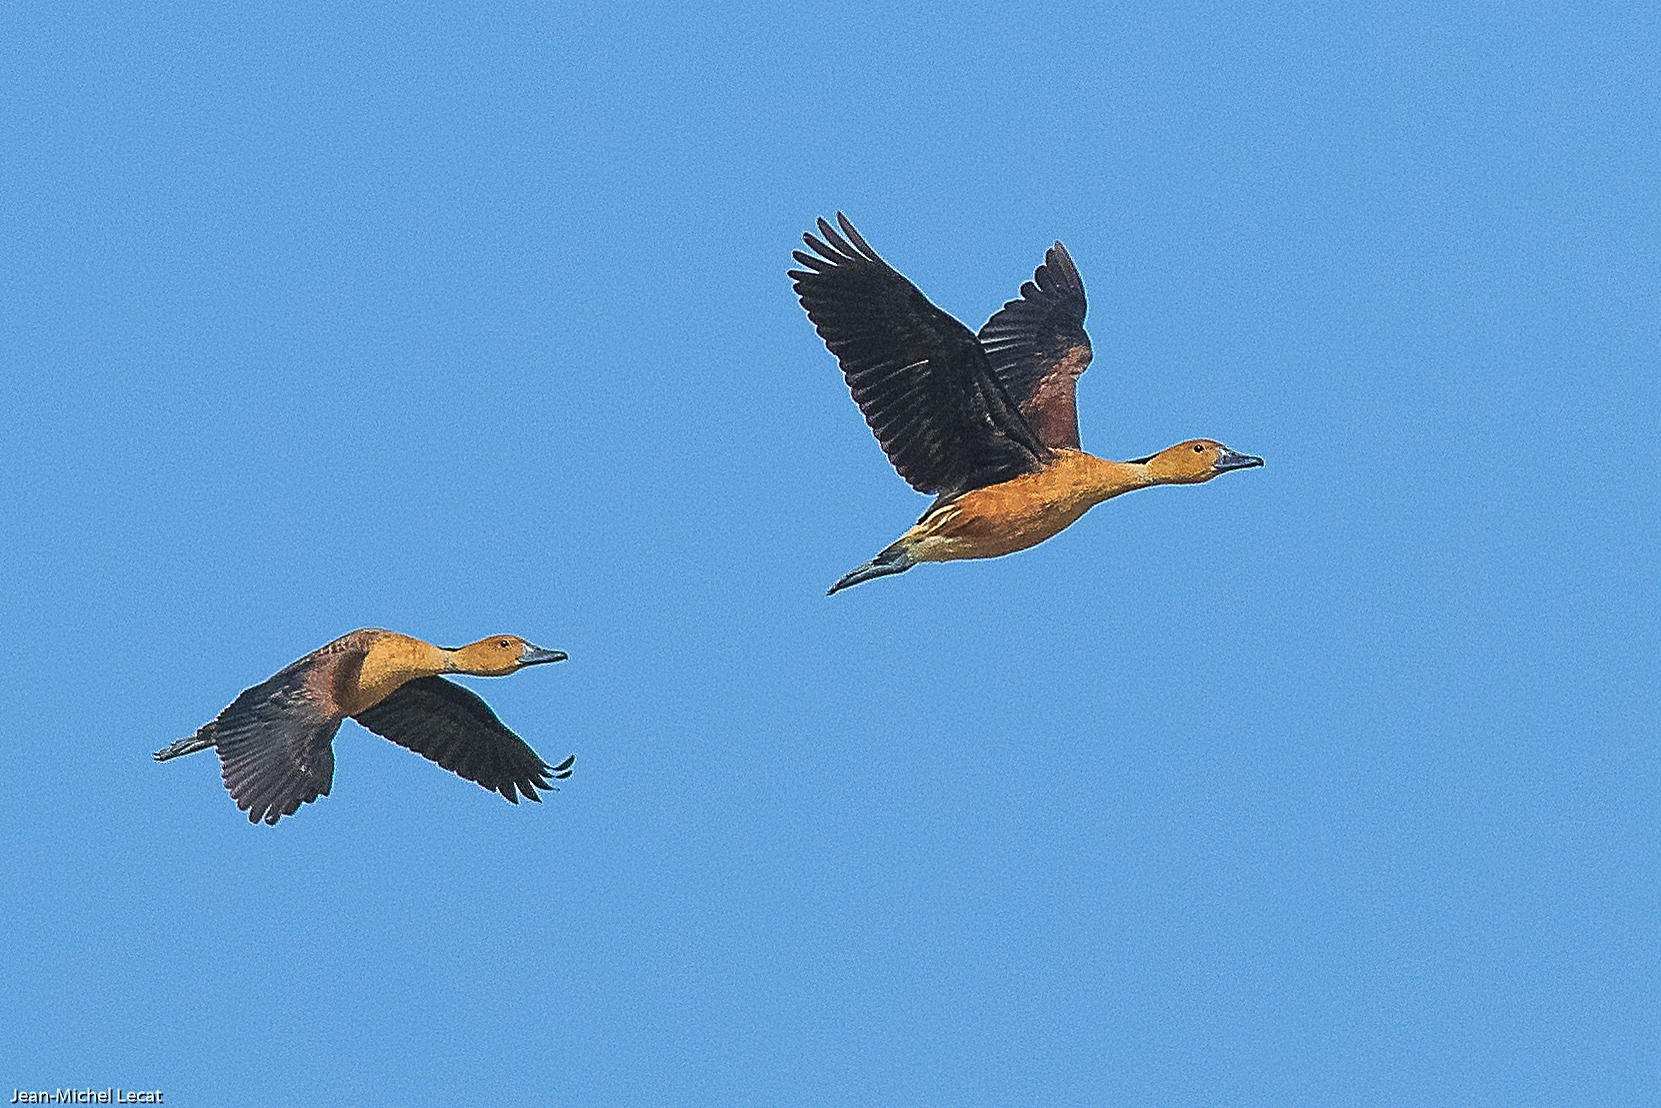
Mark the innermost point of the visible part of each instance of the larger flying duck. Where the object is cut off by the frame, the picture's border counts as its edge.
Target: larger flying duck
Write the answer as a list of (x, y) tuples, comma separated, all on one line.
[(986, 422)]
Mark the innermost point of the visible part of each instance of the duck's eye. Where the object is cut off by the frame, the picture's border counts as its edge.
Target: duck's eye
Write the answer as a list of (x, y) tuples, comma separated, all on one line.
[(504, 644), (1199, 450)]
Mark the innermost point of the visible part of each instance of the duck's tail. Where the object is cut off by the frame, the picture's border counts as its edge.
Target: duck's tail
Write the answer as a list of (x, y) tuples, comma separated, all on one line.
[(202, 740), (896, 558)]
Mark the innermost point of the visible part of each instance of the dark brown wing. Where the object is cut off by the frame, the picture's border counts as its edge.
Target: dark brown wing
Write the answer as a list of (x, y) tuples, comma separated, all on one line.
[(1038, 348), (919, 376), (274, 740), (450, 725)]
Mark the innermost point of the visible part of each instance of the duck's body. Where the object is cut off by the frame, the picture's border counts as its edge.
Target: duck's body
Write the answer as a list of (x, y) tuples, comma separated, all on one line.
[(987, 422), (275, 740), (1024, 511)]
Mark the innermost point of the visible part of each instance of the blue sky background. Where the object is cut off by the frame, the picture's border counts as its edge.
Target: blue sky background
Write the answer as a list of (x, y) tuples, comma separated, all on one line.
[(1333, 782)]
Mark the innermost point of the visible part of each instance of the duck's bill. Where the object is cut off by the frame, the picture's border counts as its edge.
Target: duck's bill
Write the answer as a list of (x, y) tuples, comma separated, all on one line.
[(1228, 459), (535, 655)]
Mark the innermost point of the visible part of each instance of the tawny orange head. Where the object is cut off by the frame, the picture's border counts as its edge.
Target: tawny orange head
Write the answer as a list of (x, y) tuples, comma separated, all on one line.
[(500, 655), (1189, 463)]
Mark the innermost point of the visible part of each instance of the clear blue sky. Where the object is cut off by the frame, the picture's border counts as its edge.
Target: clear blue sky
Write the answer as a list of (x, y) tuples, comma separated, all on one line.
[(1333, 782)]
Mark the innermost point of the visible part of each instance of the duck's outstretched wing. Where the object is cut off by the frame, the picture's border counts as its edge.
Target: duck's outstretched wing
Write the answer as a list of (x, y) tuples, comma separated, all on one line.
[(450, 725), (919, 376), (1038, 348), (274, 740)]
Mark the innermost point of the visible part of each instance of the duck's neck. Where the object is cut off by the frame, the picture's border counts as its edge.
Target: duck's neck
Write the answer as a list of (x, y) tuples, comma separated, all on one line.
[(1100, 479)]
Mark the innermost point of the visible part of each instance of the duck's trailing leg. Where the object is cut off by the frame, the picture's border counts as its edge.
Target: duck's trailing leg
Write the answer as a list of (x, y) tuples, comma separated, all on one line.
[(896, 558), (202, 740)]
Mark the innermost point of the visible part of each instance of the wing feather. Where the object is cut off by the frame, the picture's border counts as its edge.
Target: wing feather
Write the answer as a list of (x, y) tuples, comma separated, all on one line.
[(1037, 348), (920, 377), (275, 740), (448, 724)]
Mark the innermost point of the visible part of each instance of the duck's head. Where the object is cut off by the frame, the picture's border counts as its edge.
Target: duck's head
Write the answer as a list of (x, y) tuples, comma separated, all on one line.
[(500, 655), (1189, 463)]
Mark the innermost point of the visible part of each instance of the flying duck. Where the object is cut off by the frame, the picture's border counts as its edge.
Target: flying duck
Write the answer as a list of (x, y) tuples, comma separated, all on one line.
[(275, 741), (986, 422)]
